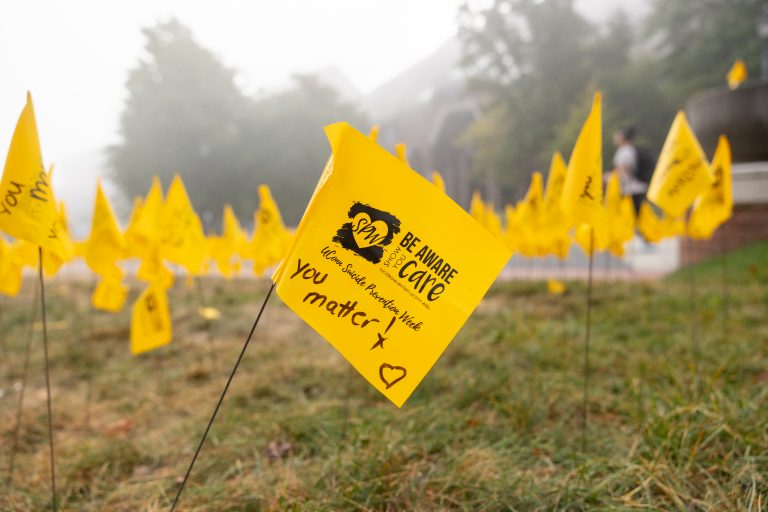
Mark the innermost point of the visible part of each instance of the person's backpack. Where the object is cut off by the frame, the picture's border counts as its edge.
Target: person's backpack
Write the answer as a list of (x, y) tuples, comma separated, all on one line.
[(646, 163)]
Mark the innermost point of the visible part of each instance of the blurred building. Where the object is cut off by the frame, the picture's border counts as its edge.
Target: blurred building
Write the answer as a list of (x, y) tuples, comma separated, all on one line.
[(428, 107)]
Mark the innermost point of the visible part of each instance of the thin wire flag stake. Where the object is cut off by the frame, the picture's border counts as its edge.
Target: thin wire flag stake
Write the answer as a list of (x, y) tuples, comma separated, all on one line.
[(585, 405), (221, 399), (24, 376), (47, 378)]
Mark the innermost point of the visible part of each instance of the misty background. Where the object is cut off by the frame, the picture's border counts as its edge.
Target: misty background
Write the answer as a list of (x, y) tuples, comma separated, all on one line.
[(233, 93)]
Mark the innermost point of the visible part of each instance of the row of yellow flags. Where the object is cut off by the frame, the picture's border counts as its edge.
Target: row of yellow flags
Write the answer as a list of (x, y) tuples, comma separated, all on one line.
[(548, 218), (370, 216)]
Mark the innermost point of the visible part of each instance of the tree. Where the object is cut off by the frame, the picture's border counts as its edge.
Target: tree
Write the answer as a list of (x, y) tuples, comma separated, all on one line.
[(287, 147), (530, 59), (183, 115), (697, 41)]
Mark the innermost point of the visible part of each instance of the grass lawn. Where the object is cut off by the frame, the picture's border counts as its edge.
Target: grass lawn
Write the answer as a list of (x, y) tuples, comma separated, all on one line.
[(678, 414)]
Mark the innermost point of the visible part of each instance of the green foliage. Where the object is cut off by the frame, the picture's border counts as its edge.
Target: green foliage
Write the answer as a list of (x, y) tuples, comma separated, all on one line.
[(185, 114), (537, 63), (698, 41)]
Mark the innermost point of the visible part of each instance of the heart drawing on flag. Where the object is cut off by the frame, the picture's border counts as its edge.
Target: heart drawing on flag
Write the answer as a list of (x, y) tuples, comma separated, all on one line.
[(386, 371), (368, 233)]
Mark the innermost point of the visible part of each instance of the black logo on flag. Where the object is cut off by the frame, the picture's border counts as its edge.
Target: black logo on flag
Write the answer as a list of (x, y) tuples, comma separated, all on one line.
[(368, 231)]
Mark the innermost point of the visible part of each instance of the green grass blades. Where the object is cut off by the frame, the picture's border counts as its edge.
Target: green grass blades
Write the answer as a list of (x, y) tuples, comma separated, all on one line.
[(494, 426)]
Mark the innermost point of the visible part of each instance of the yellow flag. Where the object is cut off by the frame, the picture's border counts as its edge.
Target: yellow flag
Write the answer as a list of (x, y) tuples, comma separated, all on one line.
[(681, 173), (512, 230), (270, 237), (135, 246), (402, 153), (144, 227), (477, 208), (555, 287), (384, 266), (374, 133), (27, 207), (529, 209), (150, 320), (582, 199), (437, 179), (649, 224), (737, 74), (182, 238), (715, 205), (10, 270), (553, 222), (153, 270), (106, 244), (226, 248), (65, 248), (109, 295)]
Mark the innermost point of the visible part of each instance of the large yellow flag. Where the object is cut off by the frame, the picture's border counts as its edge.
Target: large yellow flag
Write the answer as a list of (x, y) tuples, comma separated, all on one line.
[(582, 198), (715, 205), (150, 320), (106, 244), (384, 266), (27, 207), (109, 294), (182, 238), (681, 173), (270, 237)]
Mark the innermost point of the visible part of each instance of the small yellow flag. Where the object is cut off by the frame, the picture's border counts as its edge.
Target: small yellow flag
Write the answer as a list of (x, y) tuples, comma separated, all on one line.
[(106, 244), (649, 224), (555, 287), (681, 173), (270, 237), (109, 295), (715, 205), (10, 270), (27, 207), (582, 198), (150, 320), (437, 179), (384, 266), (737, 74), (182, 238), (144, 228), (153, 270)]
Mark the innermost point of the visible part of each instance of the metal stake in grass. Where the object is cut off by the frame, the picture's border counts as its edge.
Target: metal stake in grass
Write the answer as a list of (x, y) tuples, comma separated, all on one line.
[(24, 378), (47, 378), (585, 406), (221, 399)]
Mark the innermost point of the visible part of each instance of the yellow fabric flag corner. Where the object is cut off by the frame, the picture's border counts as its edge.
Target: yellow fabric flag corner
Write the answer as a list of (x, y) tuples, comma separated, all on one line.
[(385, 267), (150, 320)]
